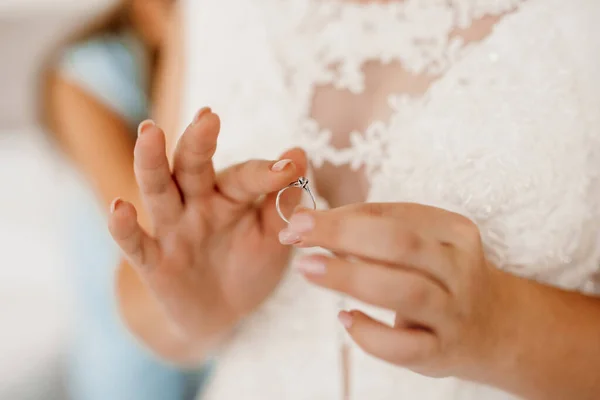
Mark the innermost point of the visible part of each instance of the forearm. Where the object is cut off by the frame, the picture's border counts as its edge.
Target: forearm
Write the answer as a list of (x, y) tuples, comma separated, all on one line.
[(97, 140), (552, 350)]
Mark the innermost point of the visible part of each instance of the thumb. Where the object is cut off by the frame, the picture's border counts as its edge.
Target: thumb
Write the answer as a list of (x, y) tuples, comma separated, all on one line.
[(271, 221)]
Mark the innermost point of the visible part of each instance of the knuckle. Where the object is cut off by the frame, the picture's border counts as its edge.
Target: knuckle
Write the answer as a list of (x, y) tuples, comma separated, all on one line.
[(405, 242), (119, 235), (154, 180), (137, 254), (239, 177), (125, 234), (131, 235), (190, 164), (196, 150), (373, 209), (132, 247), (158, 185), (467, 231)]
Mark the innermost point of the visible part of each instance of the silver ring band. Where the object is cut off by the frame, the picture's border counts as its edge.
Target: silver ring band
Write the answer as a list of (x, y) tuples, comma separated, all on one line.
[(301, 183)]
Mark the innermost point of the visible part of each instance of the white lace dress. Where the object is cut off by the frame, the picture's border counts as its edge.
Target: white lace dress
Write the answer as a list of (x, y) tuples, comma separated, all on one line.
[(500, 123)]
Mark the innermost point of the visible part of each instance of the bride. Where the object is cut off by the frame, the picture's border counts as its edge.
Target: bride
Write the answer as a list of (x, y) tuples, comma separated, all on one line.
[(454, 149)]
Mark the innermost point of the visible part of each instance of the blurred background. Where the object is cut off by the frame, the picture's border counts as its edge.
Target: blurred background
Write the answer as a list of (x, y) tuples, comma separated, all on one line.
[(36, 313)]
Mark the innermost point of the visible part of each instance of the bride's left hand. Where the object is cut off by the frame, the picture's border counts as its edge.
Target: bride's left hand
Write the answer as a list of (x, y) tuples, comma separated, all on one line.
[(453, 308)]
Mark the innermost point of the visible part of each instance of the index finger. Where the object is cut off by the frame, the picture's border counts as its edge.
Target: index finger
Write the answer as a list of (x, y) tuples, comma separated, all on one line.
[(386, 240), (371, 237), (244, 183), (431, 222)]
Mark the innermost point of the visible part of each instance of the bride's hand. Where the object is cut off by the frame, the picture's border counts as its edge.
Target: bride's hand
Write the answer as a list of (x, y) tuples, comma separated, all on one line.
[(213, 255), (424, 263)]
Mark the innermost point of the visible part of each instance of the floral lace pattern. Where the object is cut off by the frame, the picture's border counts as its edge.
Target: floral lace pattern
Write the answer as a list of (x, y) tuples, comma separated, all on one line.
[(508, 134), (338, 37)]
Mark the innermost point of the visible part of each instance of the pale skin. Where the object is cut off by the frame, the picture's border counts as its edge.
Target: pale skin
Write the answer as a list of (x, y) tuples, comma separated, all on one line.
[(214, 249), (217, 251)]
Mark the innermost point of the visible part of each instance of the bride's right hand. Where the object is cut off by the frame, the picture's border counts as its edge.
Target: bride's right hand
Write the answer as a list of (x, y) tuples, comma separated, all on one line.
[(213, 254)]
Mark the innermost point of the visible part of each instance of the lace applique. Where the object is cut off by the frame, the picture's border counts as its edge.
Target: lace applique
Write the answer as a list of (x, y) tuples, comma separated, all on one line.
[(513, 145), (338, 37)]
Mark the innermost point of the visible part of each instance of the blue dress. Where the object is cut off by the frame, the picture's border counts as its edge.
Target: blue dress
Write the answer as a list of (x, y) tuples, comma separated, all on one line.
[(106, 362)]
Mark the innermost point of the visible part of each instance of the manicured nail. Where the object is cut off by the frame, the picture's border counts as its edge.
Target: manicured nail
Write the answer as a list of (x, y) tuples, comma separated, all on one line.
[(301, 223), (201, 113), (115, 203), (311, 266), (346, 319), (144, 126), (288, 237), (280, 165)]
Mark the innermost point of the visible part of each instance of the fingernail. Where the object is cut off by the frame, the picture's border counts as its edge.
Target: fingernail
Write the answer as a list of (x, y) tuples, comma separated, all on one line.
[(310, 265), (301, 223), (144, 126), (280, 165), (346, 319), (287, 237), (201, 113), (115, 203)]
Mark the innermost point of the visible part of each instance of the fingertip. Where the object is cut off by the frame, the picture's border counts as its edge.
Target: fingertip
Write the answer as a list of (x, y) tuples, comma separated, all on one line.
[(134, 242), (346, 319), (349, 318), (145, 126), (148, 132), (298, 156), (201, 135), (286, 165), (150, 149), (287, 237), (115, 204), (122, 219), (207, 121), (200, 114)]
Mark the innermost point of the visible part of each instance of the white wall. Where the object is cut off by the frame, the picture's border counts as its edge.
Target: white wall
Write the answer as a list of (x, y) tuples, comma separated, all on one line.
[(29, 31), (34, 309)]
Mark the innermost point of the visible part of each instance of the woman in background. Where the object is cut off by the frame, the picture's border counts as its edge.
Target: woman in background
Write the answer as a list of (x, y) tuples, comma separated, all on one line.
[(97, 92)]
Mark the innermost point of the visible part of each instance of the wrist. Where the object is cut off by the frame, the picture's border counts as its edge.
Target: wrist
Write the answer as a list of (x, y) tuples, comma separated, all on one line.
[(508, 329), (527, 337), (149, 322)]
